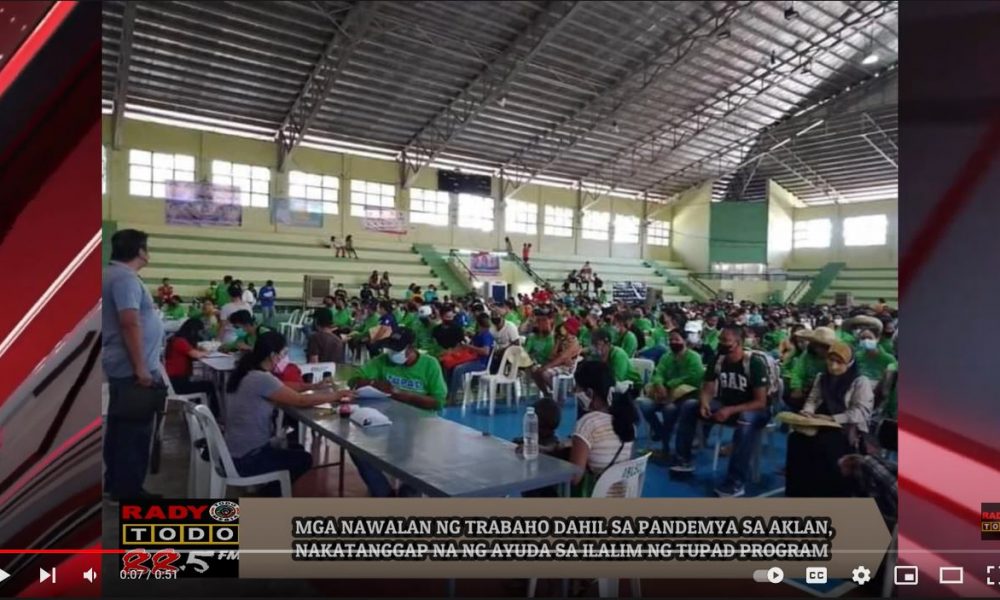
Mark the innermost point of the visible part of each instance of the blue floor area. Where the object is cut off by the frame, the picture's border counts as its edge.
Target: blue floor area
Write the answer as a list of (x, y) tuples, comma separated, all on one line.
[(660, 483)]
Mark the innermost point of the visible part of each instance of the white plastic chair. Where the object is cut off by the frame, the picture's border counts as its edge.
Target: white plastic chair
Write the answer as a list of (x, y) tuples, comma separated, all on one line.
[(198, 467), (317, 369), (506, 376), (223, 471), (294, 322), (645, 367), (620, 480), (175, 398), (467, 380), (561, 384)]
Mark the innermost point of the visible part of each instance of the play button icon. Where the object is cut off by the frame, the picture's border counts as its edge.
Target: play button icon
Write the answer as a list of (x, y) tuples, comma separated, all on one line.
[(4, 575)]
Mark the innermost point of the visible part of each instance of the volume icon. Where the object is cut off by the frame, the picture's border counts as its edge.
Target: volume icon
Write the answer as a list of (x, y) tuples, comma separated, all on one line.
[(90, 575)]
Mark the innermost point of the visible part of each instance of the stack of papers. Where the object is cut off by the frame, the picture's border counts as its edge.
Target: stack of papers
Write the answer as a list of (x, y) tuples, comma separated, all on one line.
[(365, 417), (369, 392)]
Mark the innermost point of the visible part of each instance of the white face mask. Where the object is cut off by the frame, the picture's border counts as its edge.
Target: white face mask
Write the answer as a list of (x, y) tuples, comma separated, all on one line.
[(867, 344), (398, 358), (583, 400), (838, 322), (694, 338)]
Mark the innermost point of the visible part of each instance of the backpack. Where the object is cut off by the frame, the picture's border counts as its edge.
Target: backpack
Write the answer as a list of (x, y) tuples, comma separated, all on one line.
[(774, 381)]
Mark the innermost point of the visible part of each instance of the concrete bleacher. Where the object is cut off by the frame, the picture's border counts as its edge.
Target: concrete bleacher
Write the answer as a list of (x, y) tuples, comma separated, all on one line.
[(192, 257), (554, 269), (865, 284)]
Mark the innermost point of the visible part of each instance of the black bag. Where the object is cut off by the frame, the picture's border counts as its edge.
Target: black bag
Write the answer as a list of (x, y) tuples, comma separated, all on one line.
[(133, 402)]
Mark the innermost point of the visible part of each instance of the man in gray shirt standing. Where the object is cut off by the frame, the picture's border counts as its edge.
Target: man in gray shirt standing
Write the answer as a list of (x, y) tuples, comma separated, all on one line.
[(132, 336)]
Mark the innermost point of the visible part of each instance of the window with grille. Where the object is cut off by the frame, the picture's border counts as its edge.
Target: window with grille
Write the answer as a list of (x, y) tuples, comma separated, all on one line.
[(626, 229), (812, 233), (371, 195), (475, 212), (658, 233), (595, 225), (253, 182), (321, 193), (559, 221), (429, 207), (148, 172), (522, 217)]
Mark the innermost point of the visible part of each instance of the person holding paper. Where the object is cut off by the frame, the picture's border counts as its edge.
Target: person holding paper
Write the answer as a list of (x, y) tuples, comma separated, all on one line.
[(254, 391), (406, 376)]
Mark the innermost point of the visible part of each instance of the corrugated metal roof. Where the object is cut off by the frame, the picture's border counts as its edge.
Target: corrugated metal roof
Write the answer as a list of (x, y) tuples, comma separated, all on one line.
[(644, 96)]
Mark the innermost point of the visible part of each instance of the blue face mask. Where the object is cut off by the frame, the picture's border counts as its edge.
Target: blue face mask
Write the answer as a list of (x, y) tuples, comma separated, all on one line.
[(867, 344), (397, 358)]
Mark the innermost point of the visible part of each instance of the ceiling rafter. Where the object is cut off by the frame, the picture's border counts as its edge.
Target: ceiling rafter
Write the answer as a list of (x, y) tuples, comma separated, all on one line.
[(488, 87), (122, 70)]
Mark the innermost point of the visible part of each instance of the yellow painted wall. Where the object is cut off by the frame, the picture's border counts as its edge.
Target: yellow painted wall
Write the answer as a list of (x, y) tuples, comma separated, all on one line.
[(690, 227), (886, 256), (206, 146), (780, 216)]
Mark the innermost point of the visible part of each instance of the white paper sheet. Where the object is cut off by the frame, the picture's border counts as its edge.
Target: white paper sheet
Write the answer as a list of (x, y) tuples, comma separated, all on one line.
[(370, 393)]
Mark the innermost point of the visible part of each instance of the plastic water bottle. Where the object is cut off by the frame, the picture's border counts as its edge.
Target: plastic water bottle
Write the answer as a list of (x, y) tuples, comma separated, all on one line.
[(530, 434)]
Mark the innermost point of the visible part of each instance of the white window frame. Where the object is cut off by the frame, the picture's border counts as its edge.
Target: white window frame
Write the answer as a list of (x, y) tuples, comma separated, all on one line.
[(321, 193), (371, 195), (658, 233), (149, 171), (521, 217), (558, 221), (595, 225), (475, 212), (252, 181), (626, 229), (866, 230), (812, 233), (430, 207)]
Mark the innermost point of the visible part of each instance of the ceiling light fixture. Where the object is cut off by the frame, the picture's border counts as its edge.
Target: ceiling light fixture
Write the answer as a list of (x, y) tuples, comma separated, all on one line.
[(871, 59), (503, 101)]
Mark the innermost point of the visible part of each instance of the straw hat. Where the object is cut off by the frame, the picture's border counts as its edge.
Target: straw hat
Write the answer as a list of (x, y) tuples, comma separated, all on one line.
[(841, 351), (863, 322), (820, 335)]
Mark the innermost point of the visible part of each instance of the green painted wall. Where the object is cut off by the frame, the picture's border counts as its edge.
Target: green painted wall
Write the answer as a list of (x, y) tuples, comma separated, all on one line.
[(738, 232)]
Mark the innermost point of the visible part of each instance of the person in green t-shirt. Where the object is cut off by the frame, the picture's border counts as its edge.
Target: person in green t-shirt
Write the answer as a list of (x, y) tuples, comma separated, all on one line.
[(642, 323), (222, 291), (807, 365), (174, 309), (615, 357), (710, 333), (342, 316), (209, 293), (247, 332), (406, 376), (734, 393), (677, 377), (626, 338), (509, 312), (888, 342), (771, 342), (875, 363)]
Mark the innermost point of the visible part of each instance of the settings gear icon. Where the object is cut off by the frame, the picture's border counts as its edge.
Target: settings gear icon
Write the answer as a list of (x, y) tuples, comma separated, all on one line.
[(861, 575)]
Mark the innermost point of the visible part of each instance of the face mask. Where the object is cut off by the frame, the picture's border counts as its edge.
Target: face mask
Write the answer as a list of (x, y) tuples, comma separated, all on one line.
[(867, 344), (838, 322), (282, 364), (675, 348), (398, 358), (583, 400), (694, 338)]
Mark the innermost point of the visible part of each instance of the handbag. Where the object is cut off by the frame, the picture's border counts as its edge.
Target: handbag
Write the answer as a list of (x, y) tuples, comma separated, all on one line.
[(459, 356), (133, 402)]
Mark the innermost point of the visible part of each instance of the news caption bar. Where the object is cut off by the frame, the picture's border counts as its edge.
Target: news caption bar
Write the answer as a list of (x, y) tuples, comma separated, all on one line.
[(500, 538)]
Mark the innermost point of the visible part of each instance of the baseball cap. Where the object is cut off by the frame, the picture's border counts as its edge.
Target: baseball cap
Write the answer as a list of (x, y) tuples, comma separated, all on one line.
[(572, 326), (425, 311), (399, 340)]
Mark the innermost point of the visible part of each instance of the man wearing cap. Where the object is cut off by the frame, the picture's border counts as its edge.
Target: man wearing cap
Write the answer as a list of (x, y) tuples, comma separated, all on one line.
[(678, 376), (403, 373), (807, 365), (563, 357), (615, 357)]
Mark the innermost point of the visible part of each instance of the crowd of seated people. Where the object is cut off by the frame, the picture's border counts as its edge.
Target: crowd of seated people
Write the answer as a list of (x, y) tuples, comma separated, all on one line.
[(717, 363)]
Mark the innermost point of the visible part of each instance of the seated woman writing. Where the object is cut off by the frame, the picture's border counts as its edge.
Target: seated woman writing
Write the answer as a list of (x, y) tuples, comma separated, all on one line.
[(181, 352), (841, 394), (254, 391)]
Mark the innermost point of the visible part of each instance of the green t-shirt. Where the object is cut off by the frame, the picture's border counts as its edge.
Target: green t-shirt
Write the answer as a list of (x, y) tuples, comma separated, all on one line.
[(210, 293), (735, 384), (424, 339), (886, 345), (847, 338), (367, 324), (621, 367), (584, 336), (628, 342), (874, 365), (805, 367), (539, 347), (342, 318), (673, 370), (657, 337), (422, 377), (711, 338), (221, 296), (644, 324), (175, 312), (772, 339), (513, 317)]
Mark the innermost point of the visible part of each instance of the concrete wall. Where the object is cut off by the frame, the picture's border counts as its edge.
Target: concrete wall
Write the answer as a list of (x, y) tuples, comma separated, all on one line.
[(886, 256), (780, 216), (119, 205), (690, 227)]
